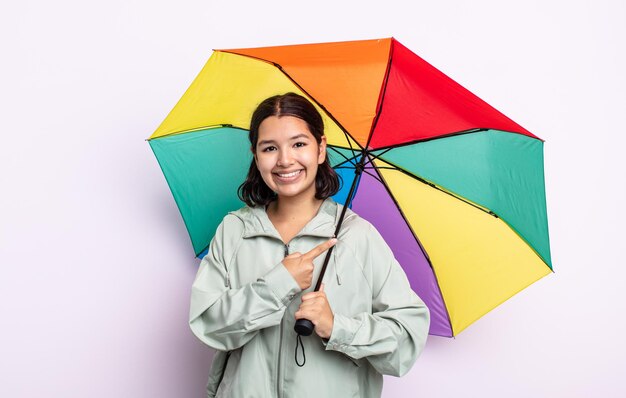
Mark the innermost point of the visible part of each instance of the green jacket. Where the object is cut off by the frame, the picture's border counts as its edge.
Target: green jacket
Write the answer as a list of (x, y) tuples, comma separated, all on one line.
[(243, 303)]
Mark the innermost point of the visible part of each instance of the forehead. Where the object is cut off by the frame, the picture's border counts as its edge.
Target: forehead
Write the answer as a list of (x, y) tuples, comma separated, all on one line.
[(283, 128)]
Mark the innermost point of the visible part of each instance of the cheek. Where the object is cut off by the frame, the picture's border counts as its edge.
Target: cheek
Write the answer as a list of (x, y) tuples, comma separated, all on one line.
[(262, 163), (265, 171)]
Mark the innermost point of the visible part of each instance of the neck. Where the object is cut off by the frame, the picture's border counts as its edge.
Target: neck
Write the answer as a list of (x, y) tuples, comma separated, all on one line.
[(294, 208)]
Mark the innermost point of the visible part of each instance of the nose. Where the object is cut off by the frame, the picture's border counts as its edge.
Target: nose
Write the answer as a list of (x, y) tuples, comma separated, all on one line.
[(285, 158)]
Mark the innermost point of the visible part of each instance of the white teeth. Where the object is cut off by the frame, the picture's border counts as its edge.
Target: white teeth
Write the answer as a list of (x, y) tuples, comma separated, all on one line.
[(290, 174)]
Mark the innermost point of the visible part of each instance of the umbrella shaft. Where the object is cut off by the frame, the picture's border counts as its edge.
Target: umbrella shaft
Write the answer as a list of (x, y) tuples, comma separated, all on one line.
[(358, 170)]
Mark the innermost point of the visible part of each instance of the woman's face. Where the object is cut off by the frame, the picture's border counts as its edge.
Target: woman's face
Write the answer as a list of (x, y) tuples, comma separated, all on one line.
[(287, 156)]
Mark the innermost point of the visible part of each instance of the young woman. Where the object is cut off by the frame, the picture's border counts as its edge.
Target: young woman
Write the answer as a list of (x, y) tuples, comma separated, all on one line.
[(259, 274)]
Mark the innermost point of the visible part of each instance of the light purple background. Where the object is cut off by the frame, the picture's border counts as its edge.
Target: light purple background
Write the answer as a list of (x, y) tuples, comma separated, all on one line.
[(95, 261)]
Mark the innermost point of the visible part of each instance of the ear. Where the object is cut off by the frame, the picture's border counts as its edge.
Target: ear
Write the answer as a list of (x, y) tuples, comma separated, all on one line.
[(322, 147)]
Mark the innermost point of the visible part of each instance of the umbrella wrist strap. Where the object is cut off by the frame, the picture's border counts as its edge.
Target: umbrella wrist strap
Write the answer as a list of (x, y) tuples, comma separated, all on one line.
[(300, 344)]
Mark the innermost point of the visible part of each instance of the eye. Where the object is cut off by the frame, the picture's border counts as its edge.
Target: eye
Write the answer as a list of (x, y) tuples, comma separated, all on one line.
[(299, 144), (268, 148)]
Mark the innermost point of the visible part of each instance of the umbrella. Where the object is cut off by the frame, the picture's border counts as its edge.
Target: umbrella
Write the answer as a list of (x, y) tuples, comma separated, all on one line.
[(455, 187)]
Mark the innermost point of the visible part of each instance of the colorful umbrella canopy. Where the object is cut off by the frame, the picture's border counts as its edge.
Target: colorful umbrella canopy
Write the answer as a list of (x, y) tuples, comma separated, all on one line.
[(455, 187)]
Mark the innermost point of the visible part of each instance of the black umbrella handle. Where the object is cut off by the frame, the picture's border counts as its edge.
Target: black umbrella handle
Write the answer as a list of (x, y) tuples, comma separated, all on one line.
[(304, 327)]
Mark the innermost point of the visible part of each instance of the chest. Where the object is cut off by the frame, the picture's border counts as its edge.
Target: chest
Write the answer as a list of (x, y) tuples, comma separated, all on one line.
[(289, 229), (345, 283)]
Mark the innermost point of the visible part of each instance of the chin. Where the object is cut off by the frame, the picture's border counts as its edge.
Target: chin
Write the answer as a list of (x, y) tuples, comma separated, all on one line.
[(291, 193)]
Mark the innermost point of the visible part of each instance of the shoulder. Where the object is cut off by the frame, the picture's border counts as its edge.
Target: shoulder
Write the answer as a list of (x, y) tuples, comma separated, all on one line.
[(243, 212), (228, 235), (232, 227), (237, 218)]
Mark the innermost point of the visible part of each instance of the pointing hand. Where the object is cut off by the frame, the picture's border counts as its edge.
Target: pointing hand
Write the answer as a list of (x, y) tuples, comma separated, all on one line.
[(301, 267)]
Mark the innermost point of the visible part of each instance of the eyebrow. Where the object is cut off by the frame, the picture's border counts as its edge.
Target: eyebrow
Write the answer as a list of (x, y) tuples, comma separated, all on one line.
[(295, 137)]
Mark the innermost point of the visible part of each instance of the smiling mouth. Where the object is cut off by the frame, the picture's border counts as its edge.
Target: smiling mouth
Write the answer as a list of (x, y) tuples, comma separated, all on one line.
[(288, 175)]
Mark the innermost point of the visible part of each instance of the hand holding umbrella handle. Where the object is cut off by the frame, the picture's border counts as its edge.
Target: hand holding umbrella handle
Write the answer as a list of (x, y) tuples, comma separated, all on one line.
[(304, 327)]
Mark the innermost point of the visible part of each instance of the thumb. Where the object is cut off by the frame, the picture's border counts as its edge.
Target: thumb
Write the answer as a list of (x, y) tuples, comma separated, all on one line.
[(322, 288)]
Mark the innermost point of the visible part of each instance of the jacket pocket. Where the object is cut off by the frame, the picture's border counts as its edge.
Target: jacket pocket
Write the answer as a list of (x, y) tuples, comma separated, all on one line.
[(218, 368)]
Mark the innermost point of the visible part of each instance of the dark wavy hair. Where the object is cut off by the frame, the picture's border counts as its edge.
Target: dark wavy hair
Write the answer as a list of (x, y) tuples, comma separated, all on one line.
[(254, 191)]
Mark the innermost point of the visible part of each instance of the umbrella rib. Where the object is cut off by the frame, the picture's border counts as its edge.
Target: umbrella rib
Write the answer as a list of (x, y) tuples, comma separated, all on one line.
[(211, 126), (470, 131), (381, 98), (340, 165), (373, 176), (382, 180), (377, 156), (365, 171), (351, 148), (340, 154), (406, 221), (382, 167)]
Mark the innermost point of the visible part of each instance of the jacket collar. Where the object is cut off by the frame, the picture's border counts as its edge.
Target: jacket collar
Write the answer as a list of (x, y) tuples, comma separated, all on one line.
[(257, 223)]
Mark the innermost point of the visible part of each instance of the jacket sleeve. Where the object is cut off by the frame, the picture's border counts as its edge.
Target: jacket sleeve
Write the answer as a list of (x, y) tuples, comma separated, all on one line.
[(226, 317), (393, 335)]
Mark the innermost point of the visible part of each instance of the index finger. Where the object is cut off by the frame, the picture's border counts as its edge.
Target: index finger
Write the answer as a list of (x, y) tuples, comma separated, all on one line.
[(321, 248)]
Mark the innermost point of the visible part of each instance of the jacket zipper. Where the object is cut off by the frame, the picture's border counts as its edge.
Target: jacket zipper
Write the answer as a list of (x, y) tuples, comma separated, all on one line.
[(280, 344)]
